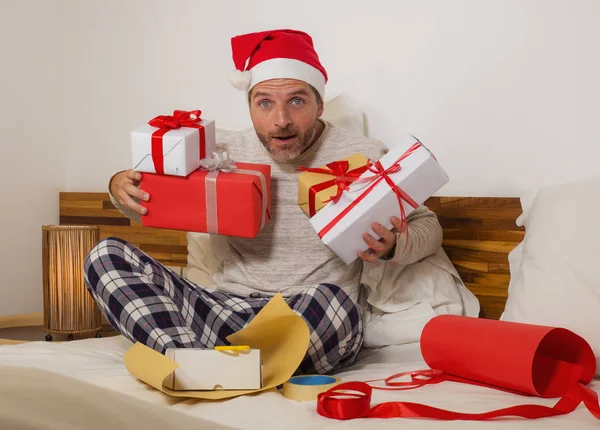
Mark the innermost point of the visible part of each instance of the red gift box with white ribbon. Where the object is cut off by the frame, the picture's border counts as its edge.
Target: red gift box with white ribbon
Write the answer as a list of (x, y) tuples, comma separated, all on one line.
[(222, 197)]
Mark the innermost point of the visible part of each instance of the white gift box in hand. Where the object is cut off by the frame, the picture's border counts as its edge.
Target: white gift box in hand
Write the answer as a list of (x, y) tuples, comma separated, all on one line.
[(173, 144), (409, 167)]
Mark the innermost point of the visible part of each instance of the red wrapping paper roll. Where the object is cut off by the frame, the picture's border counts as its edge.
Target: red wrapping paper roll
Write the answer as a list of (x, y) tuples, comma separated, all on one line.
[(521, 358), (524, 358)]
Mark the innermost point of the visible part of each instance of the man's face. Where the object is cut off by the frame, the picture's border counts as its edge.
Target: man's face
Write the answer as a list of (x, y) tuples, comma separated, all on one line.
[(284, 113)]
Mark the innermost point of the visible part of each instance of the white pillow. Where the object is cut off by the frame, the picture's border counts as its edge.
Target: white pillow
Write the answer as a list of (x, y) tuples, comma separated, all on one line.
[(555, 279), (344, 112)]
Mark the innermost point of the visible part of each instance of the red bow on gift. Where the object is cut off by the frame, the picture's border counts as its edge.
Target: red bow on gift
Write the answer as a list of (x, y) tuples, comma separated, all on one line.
[(342, 178), (180, 118), (165, 123)]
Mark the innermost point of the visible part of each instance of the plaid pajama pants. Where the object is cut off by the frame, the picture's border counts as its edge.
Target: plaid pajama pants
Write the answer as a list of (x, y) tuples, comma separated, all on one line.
[(149, 303)]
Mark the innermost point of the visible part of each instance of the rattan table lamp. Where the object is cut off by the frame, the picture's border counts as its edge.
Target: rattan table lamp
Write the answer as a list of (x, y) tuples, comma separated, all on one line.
[(68, 306)]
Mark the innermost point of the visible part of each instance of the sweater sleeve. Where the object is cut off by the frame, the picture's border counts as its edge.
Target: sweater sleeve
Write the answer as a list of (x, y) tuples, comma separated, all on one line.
[(121, 208), (424, 237)]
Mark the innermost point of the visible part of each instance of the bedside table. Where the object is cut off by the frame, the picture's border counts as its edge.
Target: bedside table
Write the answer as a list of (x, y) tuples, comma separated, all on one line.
[(21, 328)]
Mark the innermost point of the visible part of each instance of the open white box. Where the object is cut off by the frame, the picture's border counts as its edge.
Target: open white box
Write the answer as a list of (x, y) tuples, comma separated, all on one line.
[(209, 369)]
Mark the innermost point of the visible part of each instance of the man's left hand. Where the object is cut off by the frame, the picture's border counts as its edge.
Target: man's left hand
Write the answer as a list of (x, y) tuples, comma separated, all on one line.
[(382, 247)]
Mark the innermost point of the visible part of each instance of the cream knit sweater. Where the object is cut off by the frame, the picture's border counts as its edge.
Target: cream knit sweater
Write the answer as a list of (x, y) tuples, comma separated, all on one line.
[(287, 256)]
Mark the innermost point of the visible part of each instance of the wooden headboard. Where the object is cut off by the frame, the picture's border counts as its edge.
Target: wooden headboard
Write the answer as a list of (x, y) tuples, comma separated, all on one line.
[(479, 232)]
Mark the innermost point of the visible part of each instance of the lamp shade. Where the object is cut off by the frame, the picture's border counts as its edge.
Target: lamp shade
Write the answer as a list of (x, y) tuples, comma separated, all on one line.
[(68, 306)]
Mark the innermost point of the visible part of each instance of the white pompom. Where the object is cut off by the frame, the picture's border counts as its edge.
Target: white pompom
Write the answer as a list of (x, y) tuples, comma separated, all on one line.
[(239, 79)]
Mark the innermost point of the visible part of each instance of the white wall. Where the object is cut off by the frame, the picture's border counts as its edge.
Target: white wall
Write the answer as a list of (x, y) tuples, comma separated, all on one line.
[(32, 147), (505, 92)]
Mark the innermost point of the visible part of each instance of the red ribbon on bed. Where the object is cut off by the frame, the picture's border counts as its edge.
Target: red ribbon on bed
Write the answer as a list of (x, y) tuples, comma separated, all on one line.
[(519, 358), (380, 174), (342, 178), (166, 123)]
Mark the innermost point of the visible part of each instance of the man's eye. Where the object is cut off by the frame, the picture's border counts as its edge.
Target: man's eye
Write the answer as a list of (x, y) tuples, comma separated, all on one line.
[(297, 101), (264, 103)]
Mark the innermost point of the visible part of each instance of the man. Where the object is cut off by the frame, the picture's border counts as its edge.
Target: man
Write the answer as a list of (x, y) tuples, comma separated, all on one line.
[(144, 301)]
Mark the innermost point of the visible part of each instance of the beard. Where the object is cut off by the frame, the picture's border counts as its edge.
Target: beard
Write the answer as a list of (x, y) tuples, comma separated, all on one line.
[(291, 152)]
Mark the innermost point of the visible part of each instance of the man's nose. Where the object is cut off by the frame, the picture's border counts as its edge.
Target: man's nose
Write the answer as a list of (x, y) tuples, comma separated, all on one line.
[(282, 119)]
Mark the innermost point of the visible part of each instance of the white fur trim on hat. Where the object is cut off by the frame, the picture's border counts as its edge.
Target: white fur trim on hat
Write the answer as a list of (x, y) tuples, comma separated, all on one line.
[(240, 80), (287, 68)]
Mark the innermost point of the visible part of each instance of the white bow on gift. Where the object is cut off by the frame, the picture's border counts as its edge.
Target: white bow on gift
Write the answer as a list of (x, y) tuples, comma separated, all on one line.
[(220, 162)]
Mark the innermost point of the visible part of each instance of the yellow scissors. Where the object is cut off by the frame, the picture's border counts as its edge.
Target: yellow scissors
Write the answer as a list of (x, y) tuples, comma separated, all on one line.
[(233, 348)]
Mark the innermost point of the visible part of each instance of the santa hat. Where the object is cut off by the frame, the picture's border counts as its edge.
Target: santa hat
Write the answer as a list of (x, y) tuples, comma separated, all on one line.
[(276, 54)]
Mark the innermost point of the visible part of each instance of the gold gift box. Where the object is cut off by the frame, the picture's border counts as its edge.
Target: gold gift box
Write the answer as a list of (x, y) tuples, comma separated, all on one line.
[(308, 180)]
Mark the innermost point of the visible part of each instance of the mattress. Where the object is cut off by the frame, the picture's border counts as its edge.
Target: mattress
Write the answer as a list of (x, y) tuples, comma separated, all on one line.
[(100, 362)]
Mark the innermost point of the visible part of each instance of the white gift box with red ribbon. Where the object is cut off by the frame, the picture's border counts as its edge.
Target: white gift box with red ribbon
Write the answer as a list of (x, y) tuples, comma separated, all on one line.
[(173, 144), (393, 186)]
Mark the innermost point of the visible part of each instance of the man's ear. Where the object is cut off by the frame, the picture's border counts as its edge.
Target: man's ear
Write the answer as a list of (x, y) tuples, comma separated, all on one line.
[(321, 108), (320, 102)]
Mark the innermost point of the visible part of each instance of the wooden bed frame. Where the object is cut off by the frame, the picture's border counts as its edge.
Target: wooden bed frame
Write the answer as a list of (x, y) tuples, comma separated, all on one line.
[(479, 232)]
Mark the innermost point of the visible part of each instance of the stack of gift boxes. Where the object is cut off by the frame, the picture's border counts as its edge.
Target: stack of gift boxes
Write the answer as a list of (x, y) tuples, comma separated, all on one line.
[(193, 187)]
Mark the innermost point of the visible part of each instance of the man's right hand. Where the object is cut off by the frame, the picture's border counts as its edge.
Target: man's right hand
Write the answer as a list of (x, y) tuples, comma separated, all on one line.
[(124, 188)]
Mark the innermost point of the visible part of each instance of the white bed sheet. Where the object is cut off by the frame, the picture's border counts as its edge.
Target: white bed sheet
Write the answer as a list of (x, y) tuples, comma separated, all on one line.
[(100, 362)]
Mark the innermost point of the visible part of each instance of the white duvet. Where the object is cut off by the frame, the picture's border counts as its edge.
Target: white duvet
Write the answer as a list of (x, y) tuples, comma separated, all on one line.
[(100, 362)]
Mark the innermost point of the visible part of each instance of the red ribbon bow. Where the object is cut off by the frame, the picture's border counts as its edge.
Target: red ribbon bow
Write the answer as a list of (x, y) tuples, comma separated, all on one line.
[(342, 178), (381, 174), (165, 123), (180, 118)]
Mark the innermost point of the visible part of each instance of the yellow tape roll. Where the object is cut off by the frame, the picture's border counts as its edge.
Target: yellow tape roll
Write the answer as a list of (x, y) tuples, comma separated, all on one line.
[(307, 388)]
